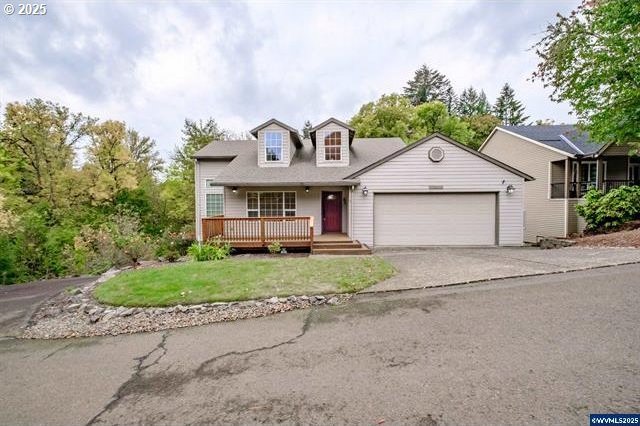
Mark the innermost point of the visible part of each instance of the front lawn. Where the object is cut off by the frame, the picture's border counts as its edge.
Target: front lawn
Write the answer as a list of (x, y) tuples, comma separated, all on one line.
[(241, 279)]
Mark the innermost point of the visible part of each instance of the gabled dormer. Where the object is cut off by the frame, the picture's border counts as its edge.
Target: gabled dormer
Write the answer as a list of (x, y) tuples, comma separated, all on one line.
[(332, 139), (277, 143)]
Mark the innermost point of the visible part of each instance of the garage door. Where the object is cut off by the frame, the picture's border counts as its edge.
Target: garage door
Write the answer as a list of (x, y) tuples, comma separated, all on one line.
[(434, 219)]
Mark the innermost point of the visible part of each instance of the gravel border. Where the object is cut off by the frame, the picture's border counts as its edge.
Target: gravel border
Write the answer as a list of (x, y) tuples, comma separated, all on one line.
[(78, 314)]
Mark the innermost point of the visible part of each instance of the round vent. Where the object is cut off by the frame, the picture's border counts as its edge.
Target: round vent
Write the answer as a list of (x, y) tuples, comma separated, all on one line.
[(436, 154)]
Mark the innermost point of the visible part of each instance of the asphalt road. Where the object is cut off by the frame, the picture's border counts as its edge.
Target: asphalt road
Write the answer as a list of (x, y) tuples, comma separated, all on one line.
[(538, 350), (19, 301)]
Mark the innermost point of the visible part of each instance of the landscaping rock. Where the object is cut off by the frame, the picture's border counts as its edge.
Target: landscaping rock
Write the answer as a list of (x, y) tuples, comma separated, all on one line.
[(68, 315)]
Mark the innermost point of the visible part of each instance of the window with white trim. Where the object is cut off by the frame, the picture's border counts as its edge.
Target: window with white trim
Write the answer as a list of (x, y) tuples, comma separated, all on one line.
[(272, 146), (333, 146), (214, 204), (272, 203)]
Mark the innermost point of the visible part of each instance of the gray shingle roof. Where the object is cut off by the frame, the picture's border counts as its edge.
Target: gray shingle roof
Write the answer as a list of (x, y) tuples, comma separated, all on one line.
[(565, 137), (244, 169)]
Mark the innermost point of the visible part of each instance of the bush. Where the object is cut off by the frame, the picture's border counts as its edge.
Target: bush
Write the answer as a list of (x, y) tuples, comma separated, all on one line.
[(213, 250), (611, 210), (173, 245), (275, 248)]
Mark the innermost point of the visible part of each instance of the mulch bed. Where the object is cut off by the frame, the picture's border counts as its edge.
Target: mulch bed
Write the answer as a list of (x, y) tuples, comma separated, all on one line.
[(625, 238)]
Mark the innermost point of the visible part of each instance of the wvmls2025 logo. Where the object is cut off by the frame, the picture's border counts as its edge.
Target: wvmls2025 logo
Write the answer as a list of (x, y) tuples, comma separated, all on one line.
[(614, 419)]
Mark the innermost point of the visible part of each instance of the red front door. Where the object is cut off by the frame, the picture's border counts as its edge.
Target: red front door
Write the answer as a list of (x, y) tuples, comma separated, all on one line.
[(331, 212)]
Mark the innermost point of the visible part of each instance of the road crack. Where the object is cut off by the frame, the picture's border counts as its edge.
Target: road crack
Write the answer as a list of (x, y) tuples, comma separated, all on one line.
[(305, 327), (138, 369)]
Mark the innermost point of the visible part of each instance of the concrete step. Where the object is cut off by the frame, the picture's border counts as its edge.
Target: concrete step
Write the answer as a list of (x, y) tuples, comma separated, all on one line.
[(337, 245), (343, 251)]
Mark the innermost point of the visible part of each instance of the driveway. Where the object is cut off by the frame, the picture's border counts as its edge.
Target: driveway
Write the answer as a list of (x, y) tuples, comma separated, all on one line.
[(540, 350), (434, 267), (19, 301)]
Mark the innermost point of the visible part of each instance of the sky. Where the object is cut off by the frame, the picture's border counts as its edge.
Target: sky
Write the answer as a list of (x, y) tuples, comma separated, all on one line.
[(153, 64)]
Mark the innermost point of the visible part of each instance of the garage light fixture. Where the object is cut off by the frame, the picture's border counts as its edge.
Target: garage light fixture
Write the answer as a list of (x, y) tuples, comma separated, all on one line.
[(365, 191), (511, 189)]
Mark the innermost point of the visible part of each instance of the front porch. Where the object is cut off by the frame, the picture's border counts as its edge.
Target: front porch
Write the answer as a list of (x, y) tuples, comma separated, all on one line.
[(574, 178)]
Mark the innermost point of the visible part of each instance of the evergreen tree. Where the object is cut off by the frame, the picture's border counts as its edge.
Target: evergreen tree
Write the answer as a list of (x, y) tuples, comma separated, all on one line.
[(306, 129), (428, 85), (472, 102), (508, 109)]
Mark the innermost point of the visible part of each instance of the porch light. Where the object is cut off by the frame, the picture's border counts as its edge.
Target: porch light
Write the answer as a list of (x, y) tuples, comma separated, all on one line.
[(306, 189), (365, 191), (234, 189), (511, 189)]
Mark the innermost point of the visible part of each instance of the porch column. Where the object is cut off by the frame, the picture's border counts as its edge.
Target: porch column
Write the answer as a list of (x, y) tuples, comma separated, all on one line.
[(567, 177), (600, 177), (579, 179)]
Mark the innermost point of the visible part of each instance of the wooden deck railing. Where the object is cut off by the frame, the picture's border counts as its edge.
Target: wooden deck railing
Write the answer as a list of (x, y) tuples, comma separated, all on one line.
[(289, 231)]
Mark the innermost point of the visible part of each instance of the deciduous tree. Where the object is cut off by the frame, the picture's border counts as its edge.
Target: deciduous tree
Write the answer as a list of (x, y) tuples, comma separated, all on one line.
[(591, 59)]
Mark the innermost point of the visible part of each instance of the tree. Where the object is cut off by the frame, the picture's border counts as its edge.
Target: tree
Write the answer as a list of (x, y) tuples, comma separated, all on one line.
[(591, 59), (110, 165), (429, 85), (508, 109), (482, 126), (306, 129), (38, 142), (143, 152), (433, 117), (388, 116), (177, 190), (472, 102)]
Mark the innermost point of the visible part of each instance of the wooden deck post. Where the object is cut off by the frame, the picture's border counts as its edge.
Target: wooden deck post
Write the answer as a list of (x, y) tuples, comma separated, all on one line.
[(311, 232), (262, 233)]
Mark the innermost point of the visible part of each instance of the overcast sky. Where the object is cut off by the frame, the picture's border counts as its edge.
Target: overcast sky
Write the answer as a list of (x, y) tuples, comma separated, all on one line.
[(152, 64)]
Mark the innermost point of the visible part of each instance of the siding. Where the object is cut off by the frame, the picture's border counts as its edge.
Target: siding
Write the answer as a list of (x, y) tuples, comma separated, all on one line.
[(543, 216), (622, 150), (205, 169), (307, 203), (344, 157), (617, 168), (287, 148), (460, 171)]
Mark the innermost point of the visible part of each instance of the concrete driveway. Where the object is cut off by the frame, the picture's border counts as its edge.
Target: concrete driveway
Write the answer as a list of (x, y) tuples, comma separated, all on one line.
[(19, 301), (540, 350), (434, 267)]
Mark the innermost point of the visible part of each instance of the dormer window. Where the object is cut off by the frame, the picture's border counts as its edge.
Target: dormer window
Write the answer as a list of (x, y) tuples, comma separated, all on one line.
[(273, 146), (333, 146)]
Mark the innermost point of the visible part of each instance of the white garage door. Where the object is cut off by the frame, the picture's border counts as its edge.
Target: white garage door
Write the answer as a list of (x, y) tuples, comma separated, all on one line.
[(435, 219)]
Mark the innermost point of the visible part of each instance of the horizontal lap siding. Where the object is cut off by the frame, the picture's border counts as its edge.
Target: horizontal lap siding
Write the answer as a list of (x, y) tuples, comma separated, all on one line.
[(287, 147), (544, 216), (307, 203), (205, 169), (459, 171), (344, 147)]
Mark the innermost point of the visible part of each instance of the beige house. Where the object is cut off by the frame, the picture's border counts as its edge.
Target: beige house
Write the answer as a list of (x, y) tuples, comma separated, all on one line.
[(335, 192), (565, 164)]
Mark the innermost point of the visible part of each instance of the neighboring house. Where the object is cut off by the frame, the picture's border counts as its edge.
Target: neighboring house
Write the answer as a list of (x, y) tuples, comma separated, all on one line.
[(376, 191), (565, 164)]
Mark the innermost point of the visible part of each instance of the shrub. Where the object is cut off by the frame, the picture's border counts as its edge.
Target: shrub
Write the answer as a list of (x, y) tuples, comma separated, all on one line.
[(172, 245), (609, 211), (212, 250), (275, 248)]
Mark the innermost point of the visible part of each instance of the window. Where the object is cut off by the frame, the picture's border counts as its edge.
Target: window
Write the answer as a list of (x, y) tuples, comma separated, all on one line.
[(271, 204), (273, 146), (332, 146), (215, 204)]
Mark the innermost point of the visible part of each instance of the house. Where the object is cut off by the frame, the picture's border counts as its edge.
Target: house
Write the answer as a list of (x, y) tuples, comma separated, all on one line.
[(565, 164), (336, 190)]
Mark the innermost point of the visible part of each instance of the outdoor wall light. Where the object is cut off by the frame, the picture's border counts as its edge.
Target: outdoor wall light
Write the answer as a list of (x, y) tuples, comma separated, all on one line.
[(234, 189), (306, 189), (511, 189), (365, 191)]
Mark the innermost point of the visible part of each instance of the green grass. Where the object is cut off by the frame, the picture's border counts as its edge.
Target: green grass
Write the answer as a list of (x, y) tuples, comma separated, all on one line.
[(241, 279)]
